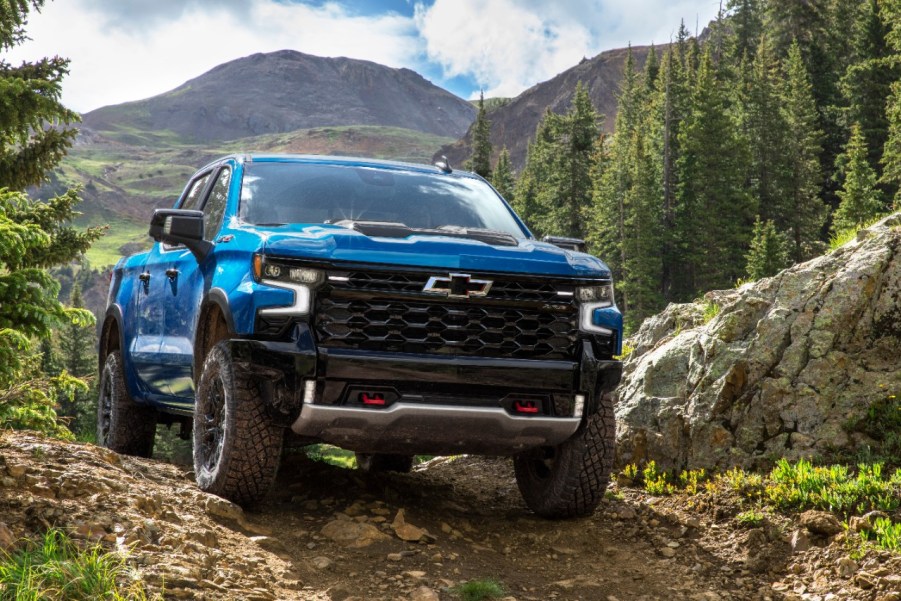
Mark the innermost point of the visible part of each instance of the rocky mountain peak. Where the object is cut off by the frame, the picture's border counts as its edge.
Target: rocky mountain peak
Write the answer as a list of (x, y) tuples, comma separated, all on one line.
[(286, 91)]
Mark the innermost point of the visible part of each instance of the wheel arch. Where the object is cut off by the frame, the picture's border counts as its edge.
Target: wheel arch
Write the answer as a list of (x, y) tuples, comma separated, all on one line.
[(214, 324), (112, 336)]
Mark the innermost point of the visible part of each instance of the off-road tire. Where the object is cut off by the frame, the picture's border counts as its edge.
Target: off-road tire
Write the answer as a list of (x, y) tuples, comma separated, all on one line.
[(236, 446), (384, 462), (122, 425), (569, 480)]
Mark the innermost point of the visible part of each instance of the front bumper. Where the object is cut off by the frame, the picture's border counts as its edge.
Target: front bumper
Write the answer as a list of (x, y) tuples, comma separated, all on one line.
[(431, 404)]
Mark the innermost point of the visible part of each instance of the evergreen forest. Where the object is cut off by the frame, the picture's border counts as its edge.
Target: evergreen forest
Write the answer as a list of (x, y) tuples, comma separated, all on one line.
[(735, 153)]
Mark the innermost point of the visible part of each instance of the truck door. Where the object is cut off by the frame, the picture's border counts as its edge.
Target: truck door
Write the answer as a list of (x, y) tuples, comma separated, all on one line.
[(155, 366), (187, 282)]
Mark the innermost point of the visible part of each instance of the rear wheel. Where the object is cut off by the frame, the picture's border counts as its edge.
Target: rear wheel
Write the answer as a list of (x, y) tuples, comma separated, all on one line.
[(569, 480), (384, 462), (122, 425), (236, 446)]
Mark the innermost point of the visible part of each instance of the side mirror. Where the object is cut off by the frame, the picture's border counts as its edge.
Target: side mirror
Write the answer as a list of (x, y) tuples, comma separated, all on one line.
[(575, 244), (180, 227)]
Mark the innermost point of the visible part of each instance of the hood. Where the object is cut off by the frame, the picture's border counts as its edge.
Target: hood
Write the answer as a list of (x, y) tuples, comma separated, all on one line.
[(336, 243)]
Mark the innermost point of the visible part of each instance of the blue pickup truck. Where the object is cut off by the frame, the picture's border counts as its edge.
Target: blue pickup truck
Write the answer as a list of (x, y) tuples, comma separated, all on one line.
[(387, 308)]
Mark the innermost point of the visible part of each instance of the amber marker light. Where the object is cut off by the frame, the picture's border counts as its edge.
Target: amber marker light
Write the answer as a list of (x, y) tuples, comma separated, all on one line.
[(258, 267)]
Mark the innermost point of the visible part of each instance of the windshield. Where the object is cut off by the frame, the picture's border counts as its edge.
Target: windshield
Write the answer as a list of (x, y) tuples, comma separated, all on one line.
[(276, 193)]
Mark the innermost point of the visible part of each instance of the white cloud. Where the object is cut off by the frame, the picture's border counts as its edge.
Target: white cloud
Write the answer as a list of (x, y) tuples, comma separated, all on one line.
[(131, 49), (112, 64), (509, 45), (505, 46)]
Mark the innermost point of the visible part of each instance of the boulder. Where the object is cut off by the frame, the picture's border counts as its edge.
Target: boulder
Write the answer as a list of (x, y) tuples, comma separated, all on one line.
[(788, 367)]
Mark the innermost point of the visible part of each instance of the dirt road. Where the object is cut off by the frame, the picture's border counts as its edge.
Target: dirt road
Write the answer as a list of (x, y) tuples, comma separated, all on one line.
[(330, 534)]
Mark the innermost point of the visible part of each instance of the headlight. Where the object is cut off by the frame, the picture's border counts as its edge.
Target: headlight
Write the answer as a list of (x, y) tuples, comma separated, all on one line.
[(591, 298), (301, 280), (267, 269), (600, 296)]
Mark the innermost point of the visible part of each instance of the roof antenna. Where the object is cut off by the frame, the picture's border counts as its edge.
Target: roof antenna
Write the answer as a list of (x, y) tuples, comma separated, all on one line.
[(444, 164)]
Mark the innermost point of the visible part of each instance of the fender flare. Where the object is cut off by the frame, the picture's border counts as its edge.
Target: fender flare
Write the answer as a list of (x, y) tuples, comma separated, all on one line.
[(215, 297), (113, 315)]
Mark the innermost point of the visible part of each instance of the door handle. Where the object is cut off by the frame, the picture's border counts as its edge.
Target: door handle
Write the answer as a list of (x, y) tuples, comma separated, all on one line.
[(171, 273), (144, 277)]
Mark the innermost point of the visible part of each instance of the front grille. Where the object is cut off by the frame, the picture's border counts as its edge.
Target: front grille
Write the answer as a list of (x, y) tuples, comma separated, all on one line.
[(385, 311), (546, 290), (421, 327)]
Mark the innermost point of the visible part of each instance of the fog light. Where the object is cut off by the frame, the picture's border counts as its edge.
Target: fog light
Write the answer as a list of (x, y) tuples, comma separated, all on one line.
[(309, 391), (579, 408)]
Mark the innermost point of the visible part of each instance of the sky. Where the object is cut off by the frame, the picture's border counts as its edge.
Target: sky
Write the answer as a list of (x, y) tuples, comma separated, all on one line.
[(122, 50)]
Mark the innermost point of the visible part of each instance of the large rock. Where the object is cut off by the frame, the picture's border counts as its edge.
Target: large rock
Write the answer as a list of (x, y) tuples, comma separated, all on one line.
[(788, 368)]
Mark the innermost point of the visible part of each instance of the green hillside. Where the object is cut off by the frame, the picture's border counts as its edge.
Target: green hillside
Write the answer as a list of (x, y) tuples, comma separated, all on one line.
[(126, 173)]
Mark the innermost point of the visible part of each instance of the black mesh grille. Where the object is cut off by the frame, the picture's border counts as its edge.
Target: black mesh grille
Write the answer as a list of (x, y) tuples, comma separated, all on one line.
[(422, 327)]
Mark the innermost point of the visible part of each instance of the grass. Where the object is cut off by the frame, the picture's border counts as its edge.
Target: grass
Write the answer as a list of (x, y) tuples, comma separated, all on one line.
[(791, 487), (332, 455), (834, 488), (884, 535), (750, 519), (479, 590), (108, 249), (56, 569), (711, 310), (842, 237)]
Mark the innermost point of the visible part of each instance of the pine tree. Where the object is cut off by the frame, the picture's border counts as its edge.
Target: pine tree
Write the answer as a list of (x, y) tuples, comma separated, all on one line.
[(32, 122), (643, 268), (613, 183), (481, 142), (579, 137), (891, 157), (715, 211), (765, 129), (866, 84), (530, 195), (554, 192), (33, 235), (861, 200), (77, 341), (746, 20), (767, 255), (502, 178), (801, 213)]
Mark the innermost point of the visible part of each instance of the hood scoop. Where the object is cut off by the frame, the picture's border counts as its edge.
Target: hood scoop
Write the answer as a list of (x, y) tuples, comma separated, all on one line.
[(387, 229)]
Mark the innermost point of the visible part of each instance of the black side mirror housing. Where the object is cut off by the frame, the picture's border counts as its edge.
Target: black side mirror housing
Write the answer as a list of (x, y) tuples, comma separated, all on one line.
[(180, 227), (575, 244)]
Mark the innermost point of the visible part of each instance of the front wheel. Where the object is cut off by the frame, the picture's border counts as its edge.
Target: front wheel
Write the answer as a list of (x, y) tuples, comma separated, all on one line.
[(122, 425), (236, 446), (569, 480)]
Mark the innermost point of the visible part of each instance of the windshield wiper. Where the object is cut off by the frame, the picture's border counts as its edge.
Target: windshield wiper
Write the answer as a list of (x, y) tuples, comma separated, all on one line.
[(482, 234)]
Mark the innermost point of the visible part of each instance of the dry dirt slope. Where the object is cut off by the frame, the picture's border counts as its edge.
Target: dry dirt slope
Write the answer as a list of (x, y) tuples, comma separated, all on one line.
[(327, 533)]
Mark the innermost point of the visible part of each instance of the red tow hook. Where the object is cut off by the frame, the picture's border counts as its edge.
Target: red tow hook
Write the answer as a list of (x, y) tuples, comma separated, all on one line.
[(376, 399), (525, 407)]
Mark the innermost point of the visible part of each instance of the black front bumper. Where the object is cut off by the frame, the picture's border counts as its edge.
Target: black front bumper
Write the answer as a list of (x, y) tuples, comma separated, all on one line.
[(431, 404)]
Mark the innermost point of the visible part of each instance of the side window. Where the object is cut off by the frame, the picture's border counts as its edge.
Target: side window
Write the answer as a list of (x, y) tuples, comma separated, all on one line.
[(214, 209), (192, 197)]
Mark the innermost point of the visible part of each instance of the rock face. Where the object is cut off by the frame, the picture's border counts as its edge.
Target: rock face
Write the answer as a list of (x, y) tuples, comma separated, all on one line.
[(788, 368)]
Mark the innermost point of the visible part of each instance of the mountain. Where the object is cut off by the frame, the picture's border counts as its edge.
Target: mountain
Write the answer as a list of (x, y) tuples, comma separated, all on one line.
[(513, 123), (285, 91)]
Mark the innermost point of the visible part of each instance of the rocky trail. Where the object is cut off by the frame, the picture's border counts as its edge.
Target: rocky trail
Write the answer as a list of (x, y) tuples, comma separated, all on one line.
[(328, 533)]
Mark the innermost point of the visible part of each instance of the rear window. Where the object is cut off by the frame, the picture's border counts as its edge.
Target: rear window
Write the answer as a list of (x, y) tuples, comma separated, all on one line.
[(278, 193)]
